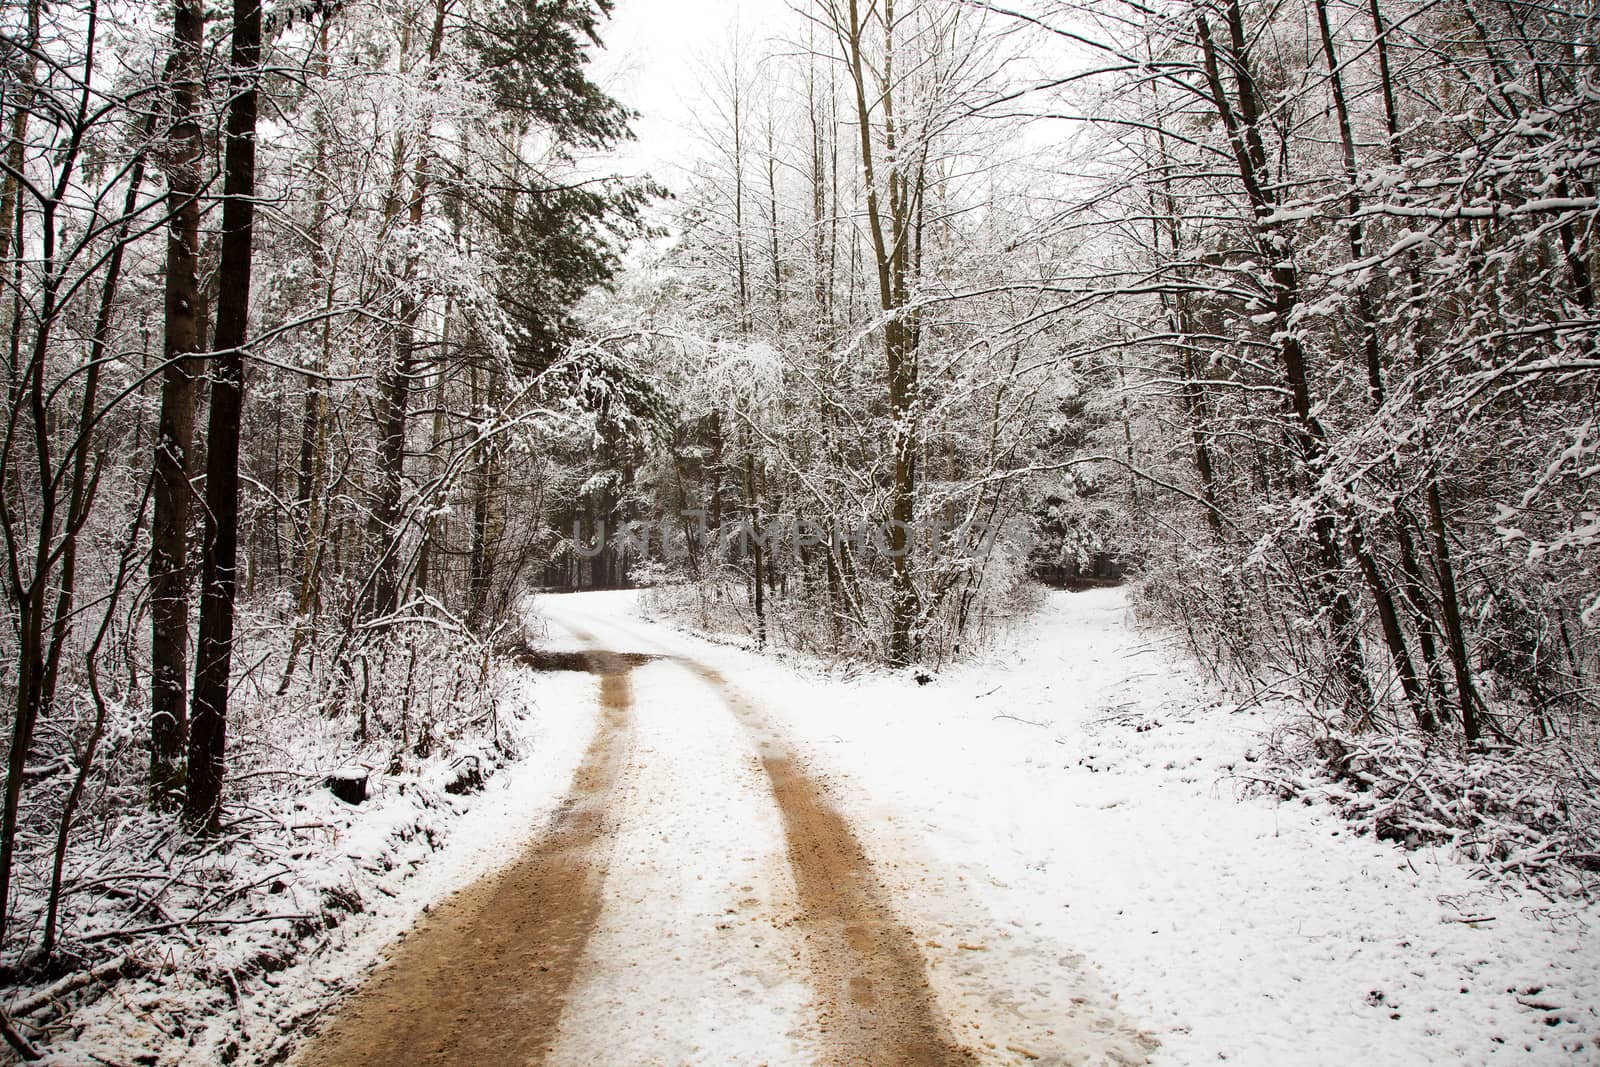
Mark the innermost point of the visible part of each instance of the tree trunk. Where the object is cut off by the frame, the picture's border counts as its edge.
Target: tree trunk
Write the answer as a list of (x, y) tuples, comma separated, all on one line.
[(16, 162), (1366, 313), (172, 492), (1250, 156), (30, 586), (891, 219), (757, 543), (1455, 634), (394, 391), (214, 650), (82, 486), (308, 511), (484, 476)]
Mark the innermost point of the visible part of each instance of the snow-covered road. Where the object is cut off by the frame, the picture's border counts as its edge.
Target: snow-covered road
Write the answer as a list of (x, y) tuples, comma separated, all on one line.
[(1054, 842), (855, 985)]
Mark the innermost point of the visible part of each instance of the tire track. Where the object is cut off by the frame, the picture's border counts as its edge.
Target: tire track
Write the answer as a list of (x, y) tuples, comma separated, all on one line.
[(484, 978), (875, 1003)]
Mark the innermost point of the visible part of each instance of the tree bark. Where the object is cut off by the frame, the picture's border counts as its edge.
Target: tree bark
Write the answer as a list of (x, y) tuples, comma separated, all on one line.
[(1365, 311), (16, 161), (1455, 633), (394, 390), (310, 524), (214, 650), (485, 462), (891, 227), (81, 492), (30, 581), (1249, 152), (169, 528), (757, 537)]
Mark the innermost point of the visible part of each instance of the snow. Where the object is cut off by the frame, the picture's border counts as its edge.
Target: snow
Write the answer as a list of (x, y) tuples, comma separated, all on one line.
[(172, 1016), (691, 959), (1067, 828), (1069, 831)]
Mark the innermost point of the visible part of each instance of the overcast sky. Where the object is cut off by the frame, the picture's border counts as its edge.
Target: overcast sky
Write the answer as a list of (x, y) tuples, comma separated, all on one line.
[(651, 62)]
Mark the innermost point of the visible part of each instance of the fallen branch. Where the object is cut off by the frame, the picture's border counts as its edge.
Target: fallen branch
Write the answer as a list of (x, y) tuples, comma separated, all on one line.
[(63, 986), (162, 927), (1118, 712)]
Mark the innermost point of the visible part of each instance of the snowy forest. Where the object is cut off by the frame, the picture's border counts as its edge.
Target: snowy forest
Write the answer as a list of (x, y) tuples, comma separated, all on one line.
[(336, 330)]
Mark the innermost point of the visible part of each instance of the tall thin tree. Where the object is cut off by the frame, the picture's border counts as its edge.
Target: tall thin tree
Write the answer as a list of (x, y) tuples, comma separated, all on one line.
[(169, 530), (214, 649)]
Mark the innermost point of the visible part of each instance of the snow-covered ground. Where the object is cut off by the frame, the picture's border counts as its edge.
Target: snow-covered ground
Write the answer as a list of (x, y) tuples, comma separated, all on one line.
[(401, 852), (1068, 830)]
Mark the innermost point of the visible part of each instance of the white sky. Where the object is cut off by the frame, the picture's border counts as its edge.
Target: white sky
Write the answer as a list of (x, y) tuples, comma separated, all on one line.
[(652, 60)]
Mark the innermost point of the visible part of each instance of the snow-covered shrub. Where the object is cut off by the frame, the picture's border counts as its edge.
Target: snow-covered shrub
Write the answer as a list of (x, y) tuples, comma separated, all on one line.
[(415, 710), (1529, 814)]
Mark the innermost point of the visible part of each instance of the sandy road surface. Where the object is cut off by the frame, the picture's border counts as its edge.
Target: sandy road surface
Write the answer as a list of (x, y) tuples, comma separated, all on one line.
[(483, 979), (870, 980)]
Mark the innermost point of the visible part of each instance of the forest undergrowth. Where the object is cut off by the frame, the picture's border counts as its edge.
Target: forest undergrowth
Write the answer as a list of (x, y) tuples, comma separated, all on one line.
[(347, 782)]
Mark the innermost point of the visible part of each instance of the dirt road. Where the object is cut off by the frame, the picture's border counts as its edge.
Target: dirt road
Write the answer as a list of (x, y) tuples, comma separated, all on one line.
[(486, 978), (482, 980), (870, 981)]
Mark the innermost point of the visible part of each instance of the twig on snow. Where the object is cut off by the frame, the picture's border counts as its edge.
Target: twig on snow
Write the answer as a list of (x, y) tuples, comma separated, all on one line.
[(160, 927)]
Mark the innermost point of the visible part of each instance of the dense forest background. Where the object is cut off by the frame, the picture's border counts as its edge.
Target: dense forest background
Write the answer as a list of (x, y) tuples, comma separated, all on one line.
[(328, 334)]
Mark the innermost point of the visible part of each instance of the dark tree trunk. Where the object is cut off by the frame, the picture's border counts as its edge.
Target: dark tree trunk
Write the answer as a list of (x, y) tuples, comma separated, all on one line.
[(894, 226), (758, 557), (1244, 136), (214, 651), (480, 561), (169, 529), (394, 390), (394, 401), (29, 394), (1455, 633), (1365, 309), (84, 481)]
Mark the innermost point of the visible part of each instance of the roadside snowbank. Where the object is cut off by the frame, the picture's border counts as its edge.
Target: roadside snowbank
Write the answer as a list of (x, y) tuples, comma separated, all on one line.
[(352, 878)]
